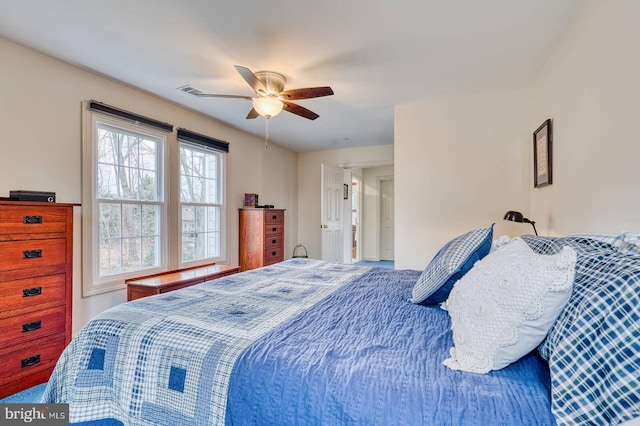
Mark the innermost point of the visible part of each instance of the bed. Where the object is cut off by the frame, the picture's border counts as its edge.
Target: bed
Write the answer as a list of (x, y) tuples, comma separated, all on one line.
[(310, 342)]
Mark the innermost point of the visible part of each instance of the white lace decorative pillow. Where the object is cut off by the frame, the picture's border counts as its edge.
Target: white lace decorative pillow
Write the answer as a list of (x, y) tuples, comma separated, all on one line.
[(505, 305), (500, 242)]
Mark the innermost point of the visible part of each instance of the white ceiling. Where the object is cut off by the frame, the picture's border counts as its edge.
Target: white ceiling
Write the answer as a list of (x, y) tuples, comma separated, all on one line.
[(375, 54)]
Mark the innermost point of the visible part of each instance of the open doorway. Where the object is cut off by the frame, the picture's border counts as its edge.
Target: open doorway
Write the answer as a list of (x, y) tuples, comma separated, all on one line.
[(386, 218), (357, 213)]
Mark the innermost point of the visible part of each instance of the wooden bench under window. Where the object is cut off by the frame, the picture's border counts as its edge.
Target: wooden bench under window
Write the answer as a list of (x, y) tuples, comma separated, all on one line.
[(176, 279)]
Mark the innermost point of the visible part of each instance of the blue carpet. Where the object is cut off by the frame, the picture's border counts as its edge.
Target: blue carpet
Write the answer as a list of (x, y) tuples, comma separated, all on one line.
[(31, 395), (377, 263)]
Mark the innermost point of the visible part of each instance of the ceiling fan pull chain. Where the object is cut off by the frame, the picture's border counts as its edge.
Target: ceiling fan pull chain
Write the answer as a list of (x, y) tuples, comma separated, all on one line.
[(266, 132)]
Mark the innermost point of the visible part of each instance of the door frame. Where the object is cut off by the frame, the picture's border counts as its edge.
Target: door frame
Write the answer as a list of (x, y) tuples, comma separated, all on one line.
[(381, 179), (374, 230), (359, 207)]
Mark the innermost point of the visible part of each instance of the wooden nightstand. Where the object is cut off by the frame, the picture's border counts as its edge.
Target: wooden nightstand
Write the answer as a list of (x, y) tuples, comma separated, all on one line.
[(174, 280)]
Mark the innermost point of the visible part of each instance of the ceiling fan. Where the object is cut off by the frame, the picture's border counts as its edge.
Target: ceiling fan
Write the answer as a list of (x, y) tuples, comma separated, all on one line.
[(271, 98)]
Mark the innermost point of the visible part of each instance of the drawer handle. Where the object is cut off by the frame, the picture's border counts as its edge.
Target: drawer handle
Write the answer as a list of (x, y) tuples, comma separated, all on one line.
[(34, 291), (28, 362), (273, 229), (31, 326), (30, 220), (275, 217), (273, 253), (273, 241), (32, 254)]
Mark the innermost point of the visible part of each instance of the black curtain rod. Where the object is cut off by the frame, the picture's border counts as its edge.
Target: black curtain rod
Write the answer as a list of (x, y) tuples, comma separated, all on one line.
[(136, 118), (202, 140)]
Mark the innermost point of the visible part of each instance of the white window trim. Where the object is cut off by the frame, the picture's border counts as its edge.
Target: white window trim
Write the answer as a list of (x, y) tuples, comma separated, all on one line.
[(91, 284)]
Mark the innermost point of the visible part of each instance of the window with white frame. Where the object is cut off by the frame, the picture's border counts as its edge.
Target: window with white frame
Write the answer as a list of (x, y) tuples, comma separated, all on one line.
[(129, 199), (201, 199), (127, 230)]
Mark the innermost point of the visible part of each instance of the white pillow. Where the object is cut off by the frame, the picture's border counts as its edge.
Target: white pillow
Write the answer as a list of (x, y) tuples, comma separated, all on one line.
[(500, 242), (505, 305)]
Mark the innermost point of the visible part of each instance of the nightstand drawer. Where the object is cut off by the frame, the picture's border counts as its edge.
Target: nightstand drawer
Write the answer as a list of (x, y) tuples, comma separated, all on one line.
[(31, 326), (32, 220), (43, 354), (32, 254), (21, 294)]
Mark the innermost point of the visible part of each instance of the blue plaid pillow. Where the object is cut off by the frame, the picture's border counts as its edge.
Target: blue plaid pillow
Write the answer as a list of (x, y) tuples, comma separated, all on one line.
[(449, 265), (593, 348)]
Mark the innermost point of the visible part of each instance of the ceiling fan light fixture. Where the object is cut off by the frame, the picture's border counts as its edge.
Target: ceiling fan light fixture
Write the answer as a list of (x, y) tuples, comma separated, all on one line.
[(267, 107)]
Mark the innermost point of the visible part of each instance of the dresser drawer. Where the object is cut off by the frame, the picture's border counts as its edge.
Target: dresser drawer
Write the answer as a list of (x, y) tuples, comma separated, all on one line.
[(20, 294), (32, 220), (31, 254), (273, 229), (273, 255), (42, 354), (275, 216), (272, 241), (32, 325)]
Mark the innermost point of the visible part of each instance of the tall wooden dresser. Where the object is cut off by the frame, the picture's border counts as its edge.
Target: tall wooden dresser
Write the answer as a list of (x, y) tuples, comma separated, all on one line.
[(261, 237), (36, 260)]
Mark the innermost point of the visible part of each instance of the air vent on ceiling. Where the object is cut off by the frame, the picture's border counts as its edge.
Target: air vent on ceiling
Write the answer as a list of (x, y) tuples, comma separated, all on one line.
[(190, 90)]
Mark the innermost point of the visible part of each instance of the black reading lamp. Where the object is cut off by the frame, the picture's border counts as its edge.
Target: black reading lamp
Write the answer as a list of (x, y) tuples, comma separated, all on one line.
[(518, 217)]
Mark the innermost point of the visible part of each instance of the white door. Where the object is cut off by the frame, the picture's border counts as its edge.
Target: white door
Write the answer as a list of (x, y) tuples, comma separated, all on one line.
[(386, 219), (356, 219), (331, 205)]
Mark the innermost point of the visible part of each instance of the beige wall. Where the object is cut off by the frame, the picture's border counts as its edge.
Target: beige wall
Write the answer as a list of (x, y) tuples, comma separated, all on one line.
[(462, 162), (459, 165), (40, 114), (309, 182), (590, 88)]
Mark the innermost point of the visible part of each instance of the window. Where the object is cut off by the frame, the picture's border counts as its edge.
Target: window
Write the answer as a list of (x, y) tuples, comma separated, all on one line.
[(127, 231), (129, 199), (200, 202)]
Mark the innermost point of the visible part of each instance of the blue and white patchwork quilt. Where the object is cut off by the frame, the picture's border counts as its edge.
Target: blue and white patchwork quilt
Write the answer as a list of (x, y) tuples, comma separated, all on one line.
[(166, 359), (300, 342)]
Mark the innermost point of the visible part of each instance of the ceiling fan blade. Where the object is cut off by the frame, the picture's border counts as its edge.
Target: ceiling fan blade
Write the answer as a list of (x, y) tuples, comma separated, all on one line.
[(251, 79), (195, 92), (213, 95), (299, 110), (252, 114), (309, 92)]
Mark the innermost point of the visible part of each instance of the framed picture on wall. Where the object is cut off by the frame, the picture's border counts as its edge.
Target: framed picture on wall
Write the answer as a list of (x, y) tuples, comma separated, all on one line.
[(542, 144)]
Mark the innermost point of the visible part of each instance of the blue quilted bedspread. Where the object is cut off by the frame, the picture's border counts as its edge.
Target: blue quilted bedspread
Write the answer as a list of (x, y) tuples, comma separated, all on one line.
[(367, 356), (166, 359), (300, 342)]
